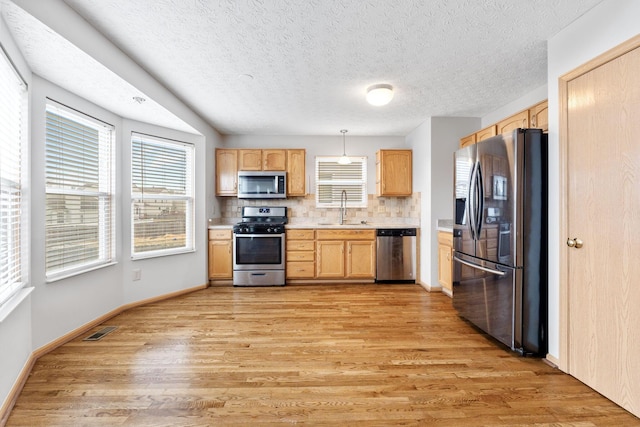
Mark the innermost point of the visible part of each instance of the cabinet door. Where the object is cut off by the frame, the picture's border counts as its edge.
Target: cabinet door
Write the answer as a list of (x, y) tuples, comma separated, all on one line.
[(444, 267), (539, 115), (220, 261), (274, 160), (361, 259), (485, 133), (296, 174), (226, 172), (395, 173), (468, 140), (250, 160), (520, 120), (330, 259)]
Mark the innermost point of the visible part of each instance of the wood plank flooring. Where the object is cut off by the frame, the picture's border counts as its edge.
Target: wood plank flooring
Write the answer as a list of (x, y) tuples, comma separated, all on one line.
[(349, 355)]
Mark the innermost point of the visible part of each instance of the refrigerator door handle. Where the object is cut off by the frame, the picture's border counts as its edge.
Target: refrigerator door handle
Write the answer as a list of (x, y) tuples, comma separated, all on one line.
[(480, 200), (479, 267), (472, 202)]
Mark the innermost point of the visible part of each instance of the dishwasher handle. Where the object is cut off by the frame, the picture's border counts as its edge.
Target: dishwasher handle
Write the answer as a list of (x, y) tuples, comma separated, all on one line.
[(396, 232)]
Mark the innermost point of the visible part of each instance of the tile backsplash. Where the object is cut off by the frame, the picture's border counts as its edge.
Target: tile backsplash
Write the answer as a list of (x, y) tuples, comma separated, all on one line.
[(302, 210)]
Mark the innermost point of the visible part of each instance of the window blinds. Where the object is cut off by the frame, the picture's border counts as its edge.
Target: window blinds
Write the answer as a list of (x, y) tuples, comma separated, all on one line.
[(332, 178), (12, 113), (162, 197), (79, 193)]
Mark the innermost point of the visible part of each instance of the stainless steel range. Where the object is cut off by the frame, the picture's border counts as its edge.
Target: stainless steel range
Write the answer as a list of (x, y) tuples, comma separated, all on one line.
[(258, 247)]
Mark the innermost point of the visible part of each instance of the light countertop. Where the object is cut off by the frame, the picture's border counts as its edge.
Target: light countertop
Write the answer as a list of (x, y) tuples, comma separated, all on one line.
[(445, 225), (368, 225)]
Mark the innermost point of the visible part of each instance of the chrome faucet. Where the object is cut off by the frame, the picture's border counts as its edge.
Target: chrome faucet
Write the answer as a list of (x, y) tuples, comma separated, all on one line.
[(343, 206)]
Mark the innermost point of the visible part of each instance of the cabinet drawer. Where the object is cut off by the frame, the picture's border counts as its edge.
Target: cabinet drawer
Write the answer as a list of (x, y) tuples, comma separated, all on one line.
[(220, 234), (293, 234), (300, 270), (300, 245), (346, 234), (445, 238), (300, 256)]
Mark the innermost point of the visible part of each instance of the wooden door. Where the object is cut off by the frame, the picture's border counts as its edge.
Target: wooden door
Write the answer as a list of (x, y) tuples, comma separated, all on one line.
[(539, 116), (249, 160), (220, 260), (395, 172), (603, 226), (330, 259), (520, 120), (226, 172), (274, 160), (296, 173), (485, 133), (361, 259)]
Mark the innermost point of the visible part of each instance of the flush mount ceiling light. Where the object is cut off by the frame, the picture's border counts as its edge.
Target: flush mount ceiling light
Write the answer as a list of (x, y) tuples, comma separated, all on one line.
[(344, 160), (379, 94)]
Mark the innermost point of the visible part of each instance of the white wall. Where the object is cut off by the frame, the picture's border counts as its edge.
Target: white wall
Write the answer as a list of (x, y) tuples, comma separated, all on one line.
[(55, 309), (91, 294), (604, 27), (323, 146), (527, 100), (15, 330), (433, 144), (167, 274)]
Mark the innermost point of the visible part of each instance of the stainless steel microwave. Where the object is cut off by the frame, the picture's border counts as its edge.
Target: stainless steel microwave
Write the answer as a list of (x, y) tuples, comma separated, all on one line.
[(262, 185)]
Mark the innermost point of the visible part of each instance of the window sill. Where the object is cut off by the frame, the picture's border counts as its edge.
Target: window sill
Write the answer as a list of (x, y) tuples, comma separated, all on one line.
[(13, 302)]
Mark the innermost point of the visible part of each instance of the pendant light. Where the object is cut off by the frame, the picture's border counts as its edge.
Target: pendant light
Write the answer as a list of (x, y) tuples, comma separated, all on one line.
[(344, 160)]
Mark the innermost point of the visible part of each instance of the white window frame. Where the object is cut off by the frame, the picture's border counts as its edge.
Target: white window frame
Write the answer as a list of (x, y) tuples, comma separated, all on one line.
[(105, 165), (13, 215), (329, 189), (138, 194)]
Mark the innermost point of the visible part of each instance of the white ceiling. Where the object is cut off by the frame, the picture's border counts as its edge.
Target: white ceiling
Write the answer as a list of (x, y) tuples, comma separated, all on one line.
[(312, 60)]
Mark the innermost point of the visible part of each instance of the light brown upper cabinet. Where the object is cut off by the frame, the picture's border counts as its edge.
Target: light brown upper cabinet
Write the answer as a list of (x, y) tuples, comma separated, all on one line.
[(534, 117), (520, 120), (468, 140), (539, 115), (481, 135), (394, 173), (226, 172), (485, 133), (258, 160), (296, 173)]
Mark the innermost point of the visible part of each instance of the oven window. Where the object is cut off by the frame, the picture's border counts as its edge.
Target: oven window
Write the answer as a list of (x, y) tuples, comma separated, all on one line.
[(258, 250)]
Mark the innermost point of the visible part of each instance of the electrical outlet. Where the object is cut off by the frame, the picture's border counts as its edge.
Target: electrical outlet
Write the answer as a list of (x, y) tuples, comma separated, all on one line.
[(136, 274)]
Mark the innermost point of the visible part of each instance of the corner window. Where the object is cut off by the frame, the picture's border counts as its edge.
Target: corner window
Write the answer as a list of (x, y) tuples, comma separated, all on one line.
[(332, 178), (13, 93), (162, 196), (79, 231)]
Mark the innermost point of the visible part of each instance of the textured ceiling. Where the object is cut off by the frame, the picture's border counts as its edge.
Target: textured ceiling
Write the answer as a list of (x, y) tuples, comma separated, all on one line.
[(312, 60), (57, 60)]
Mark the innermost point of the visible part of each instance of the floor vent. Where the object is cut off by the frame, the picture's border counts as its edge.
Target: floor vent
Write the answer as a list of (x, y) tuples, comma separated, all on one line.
[(101, 333)]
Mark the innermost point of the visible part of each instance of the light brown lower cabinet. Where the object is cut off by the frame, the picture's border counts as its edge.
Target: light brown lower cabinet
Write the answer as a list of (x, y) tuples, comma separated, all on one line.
[(220, 255), (445, 261), (301, 257), (345, 254)]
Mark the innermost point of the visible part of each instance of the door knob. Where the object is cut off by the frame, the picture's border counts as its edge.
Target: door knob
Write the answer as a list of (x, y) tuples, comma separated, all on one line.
[(575, 243)]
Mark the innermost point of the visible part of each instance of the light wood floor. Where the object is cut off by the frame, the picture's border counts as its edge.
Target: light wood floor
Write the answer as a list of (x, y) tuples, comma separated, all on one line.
[(349, 355)]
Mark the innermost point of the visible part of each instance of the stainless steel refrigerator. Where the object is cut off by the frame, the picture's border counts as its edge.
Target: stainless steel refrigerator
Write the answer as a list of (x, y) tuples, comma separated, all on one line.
[(500, 238)]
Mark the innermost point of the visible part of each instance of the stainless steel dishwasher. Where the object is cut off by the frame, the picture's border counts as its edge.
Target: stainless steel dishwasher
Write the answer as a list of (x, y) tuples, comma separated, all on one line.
[(396, 255)]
